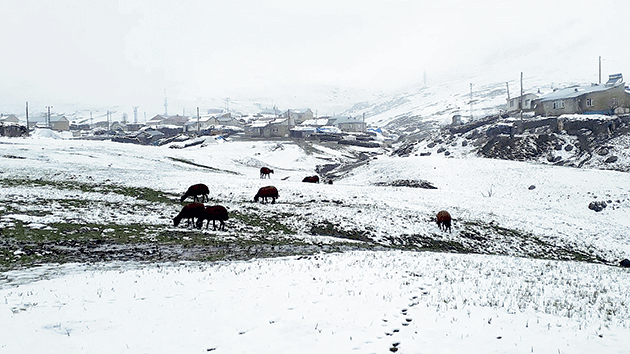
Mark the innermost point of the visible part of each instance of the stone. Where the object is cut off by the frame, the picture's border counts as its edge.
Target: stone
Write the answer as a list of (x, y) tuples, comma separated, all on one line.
[(611, 159), (597, 206)]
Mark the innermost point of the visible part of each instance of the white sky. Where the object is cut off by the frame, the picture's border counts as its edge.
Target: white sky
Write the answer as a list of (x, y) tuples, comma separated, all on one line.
[(283, 52)]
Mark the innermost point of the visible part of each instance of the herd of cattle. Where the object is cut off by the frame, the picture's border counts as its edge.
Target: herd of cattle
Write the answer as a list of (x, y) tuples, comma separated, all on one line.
[(199, 193)]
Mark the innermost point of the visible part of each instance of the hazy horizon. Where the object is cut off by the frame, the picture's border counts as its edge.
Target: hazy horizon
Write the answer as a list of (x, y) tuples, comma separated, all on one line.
[(73, 54)]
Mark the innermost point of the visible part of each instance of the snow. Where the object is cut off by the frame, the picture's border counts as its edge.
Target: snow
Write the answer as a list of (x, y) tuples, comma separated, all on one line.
[(362, 301), (365, 302)]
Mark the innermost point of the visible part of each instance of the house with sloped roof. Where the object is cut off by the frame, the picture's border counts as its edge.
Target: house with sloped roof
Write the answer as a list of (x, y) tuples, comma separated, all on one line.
[(11, 118), (268, 128), (298, 116), (514, 103), (203, 123), (59, 123), (609, 98), (351, 124)]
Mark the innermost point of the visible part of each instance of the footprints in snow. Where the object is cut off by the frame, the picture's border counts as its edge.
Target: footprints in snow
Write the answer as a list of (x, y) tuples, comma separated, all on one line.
[(404, 319)]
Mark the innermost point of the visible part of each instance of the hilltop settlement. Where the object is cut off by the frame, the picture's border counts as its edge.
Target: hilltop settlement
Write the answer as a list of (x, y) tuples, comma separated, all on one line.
[(567, 126)]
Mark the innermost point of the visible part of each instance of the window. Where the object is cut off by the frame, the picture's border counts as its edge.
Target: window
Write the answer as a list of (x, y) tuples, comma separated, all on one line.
[(589, 102), (558, 104)]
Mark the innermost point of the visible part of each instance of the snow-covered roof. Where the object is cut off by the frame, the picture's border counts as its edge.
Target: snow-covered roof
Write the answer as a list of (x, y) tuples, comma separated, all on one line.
[(342, 120), (301, 128), (260, 123), (575, 91), (318, 122)]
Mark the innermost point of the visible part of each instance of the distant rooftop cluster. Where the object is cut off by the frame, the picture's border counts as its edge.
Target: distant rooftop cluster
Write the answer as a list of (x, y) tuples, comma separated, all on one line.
[(293, 123)]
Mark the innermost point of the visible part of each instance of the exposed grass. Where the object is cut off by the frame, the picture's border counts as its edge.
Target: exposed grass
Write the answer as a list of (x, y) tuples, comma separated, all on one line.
[(327, 228), (213, 169), (148, 194), (251, 233), (266, 224)]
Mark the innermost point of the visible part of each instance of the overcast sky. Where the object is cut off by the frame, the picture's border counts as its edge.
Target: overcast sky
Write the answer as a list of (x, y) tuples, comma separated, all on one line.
[(129, 52)]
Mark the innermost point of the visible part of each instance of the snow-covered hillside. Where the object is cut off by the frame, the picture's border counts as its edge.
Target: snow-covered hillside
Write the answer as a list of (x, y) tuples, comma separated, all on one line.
[(438, 103), (401, 289)]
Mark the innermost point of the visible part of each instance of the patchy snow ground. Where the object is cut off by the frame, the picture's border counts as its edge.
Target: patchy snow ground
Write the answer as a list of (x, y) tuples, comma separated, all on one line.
[(364, 302), (410, 302)]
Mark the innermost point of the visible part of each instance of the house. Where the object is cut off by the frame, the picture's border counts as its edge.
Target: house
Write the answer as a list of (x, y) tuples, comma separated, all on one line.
[(610, 98), (228, 119), (204, 122), (268, 128), (118, 126), (298, 116), (350, 124), (175, 120), (156, 120), (59, 123), (514, 103), (308, 127), (302, 131), (11, 119)]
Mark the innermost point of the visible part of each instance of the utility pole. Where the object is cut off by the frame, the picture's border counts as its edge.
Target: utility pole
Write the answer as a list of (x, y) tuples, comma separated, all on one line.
[(198, 121), (471, 102), (227, 104), (48, 116), (165, 104), (507, 87), (600, 69), (27, 127), (363, 129), (521, 103)]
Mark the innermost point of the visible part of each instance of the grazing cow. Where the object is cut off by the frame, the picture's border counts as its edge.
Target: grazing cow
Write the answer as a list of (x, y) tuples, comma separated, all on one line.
[(196, 190), (311, 179), (443, 220), (265, 172), (267, 192), (215, 212), (190, 212)]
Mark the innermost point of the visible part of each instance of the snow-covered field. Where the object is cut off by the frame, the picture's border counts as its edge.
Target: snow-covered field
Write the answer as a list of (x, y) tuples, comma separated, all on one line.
[(362, 301)]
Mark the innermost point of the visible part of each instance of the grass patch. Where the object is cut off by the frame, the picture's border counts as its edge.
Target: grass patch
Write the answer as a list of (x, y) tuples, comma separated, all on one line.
[(266, 224), (327, 228), (142, 193), (213, 169)]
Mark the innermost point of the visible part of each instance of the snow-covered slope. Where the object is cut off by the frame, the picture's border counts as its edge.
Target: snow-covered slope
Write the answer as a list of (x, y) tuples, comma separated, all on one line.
[(360, 301)]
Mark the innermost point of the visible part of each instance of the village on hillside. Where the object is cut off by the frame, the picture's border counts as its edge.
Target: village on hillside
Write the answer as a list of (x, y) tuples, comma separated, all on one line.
[(610, 98)]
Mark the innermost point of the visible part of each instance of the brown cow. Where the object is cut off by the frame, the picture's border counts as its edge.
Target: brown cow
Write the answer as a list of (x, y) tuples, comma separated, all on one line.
[(267, 192), (264, 172), (214, 212), (311, 179), (443, 220), (190, 212), (195, 190)]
